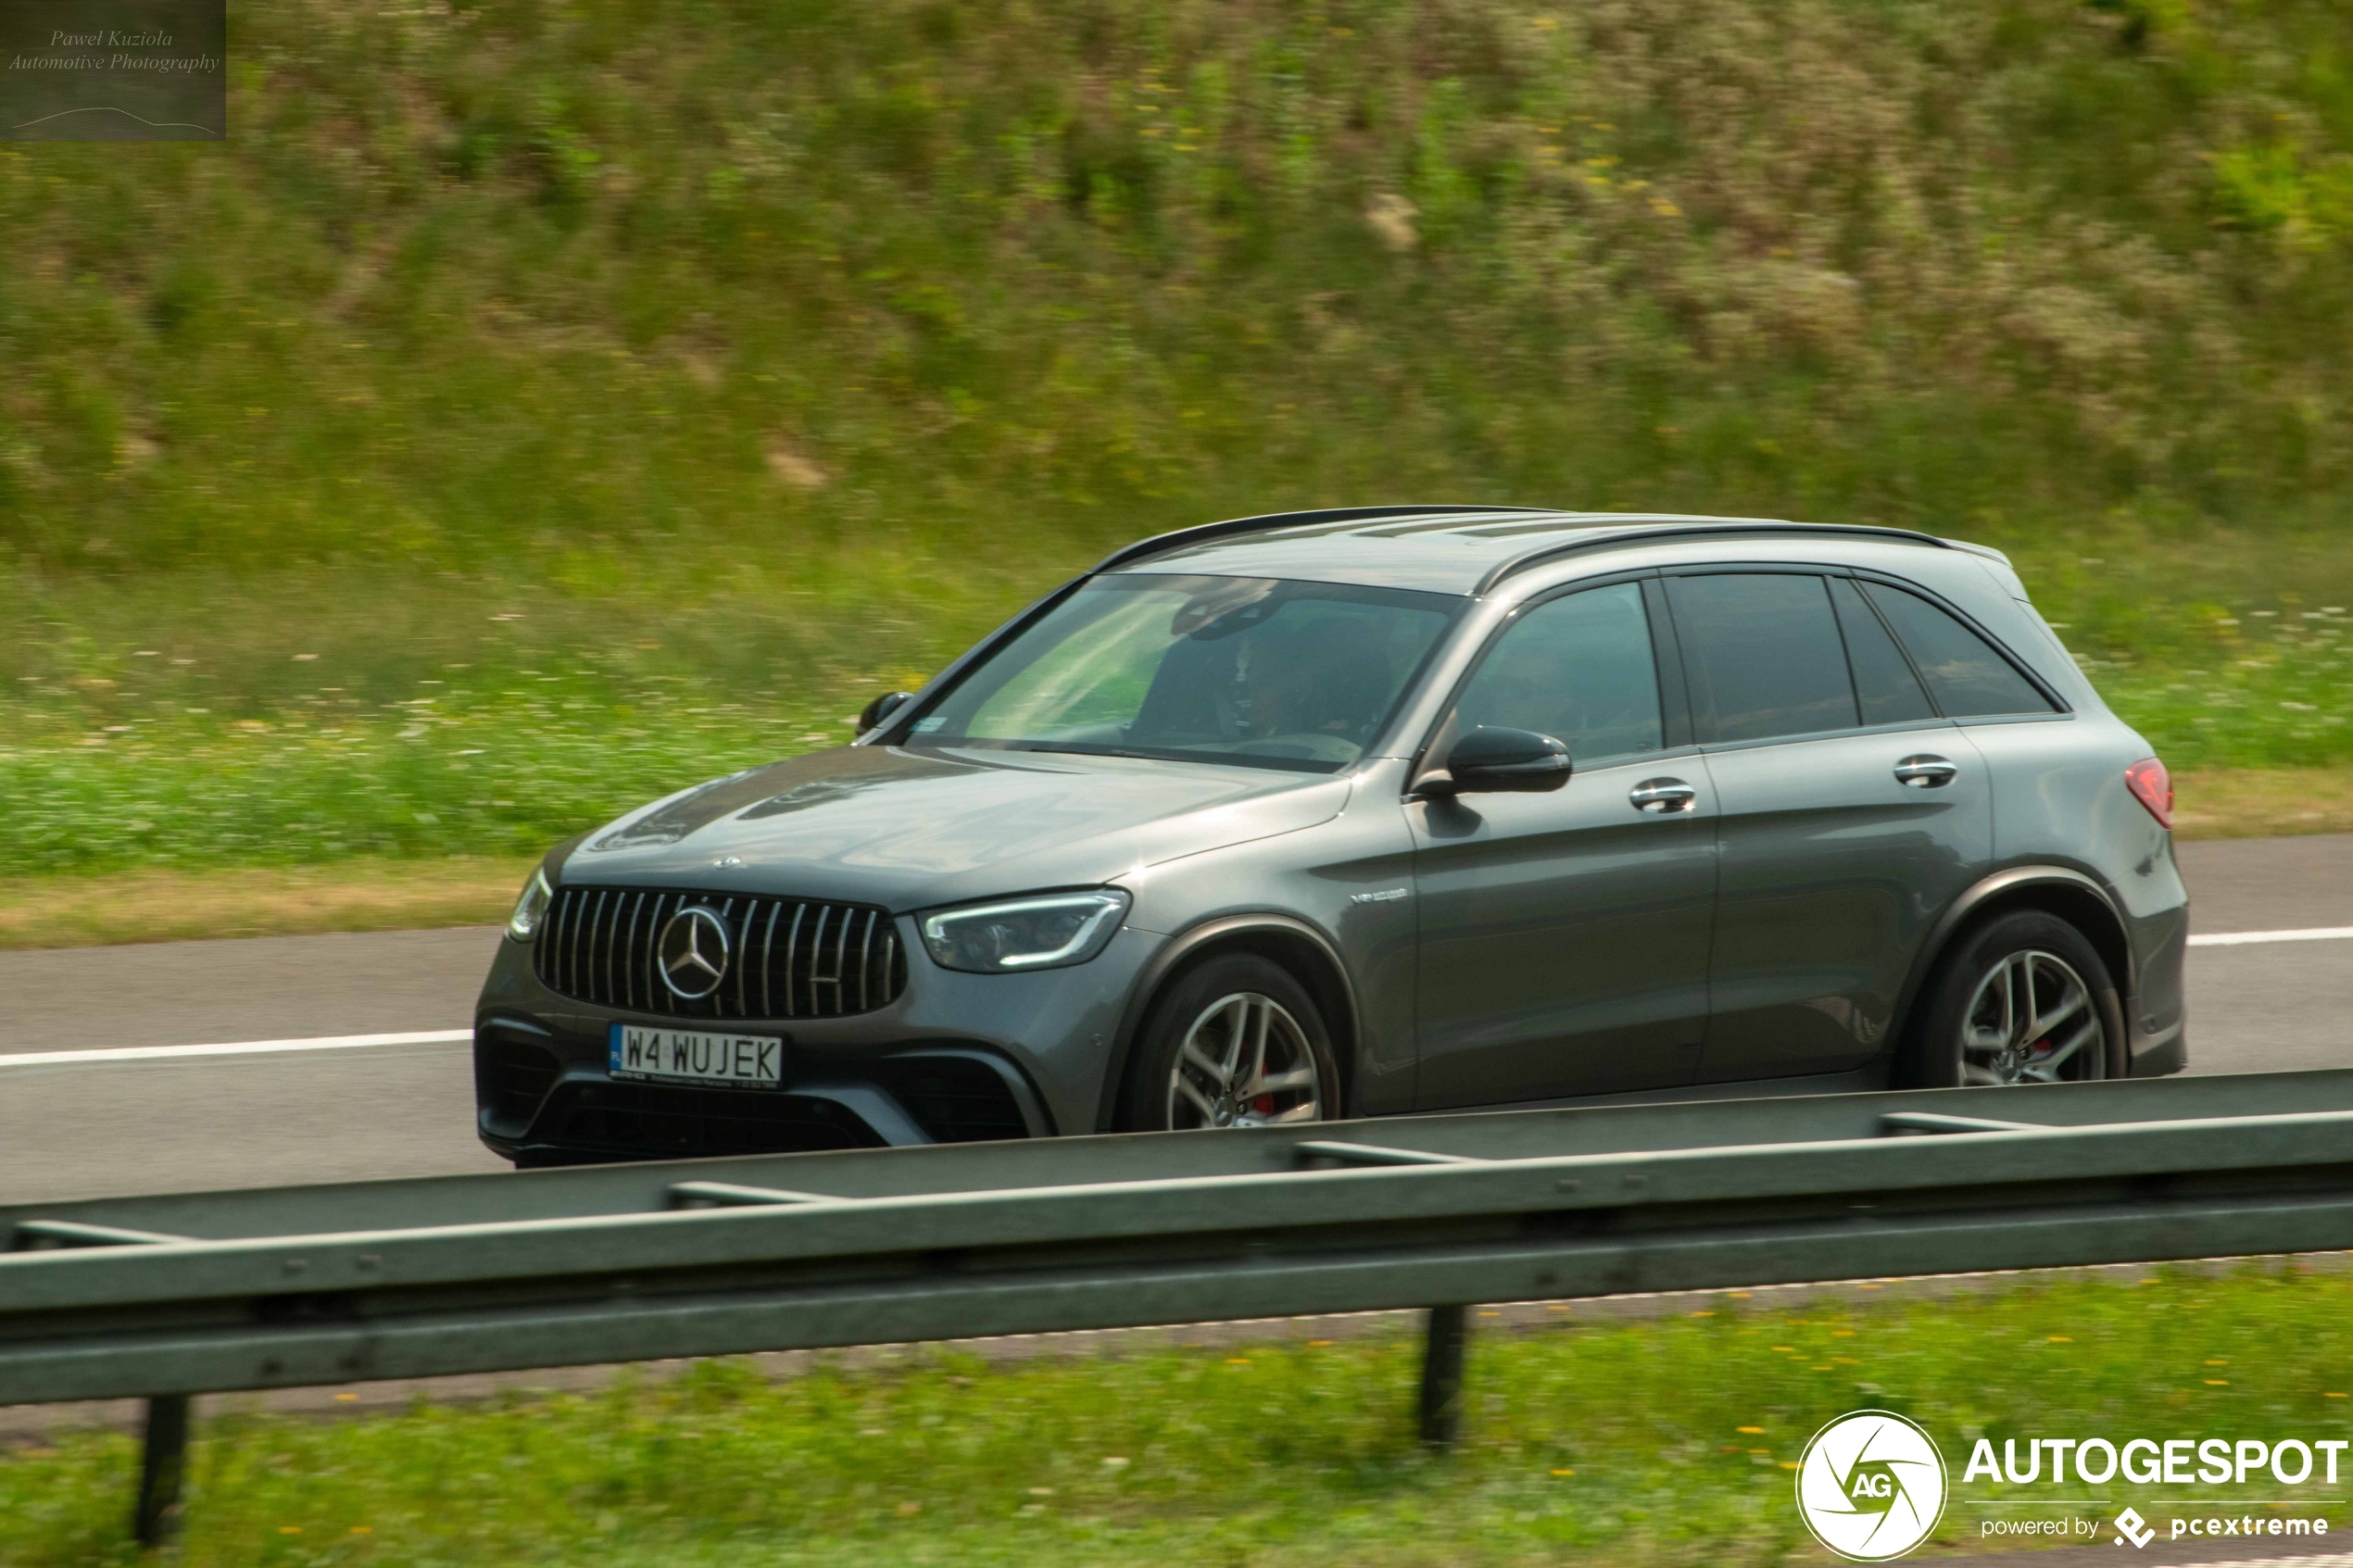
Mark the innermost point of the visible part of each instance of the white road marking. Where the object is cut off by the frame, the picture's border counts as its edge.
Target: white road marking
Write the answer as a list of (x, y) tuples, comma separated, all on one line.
[(2240, 938), (451, 1037), (239, 1048)]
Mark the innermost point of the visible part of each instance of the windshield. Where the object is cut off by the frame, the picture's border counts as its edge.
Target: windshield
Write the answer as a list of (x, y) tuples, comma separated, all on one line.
[(1248, 670)]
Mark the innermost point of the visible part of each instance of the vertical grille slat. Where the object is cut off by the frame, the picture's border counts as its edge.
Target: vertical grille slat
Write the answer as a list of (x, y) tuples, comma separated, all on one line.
[(842, 958), (767, 959), (583, 943), (629, 960), (646, 965), (865, 961), (617, 933), (663, 996), (579, 910), (599, 974), (654, 917), (600, 955), (601, 946), (792, 951), (741, 964), (817, 962), (656, 996), (719, 997)]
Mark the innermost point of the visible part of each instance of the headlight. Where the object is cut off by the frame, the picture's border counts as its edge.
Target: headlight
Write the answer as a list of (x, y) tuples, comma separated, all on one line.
[(532, 907), (1046, 931)]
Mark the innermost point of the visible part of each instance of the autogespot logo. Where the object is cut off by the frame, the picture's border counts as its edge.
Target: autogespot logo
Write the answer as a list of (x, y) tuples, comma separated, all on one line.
[(1870, 1486)]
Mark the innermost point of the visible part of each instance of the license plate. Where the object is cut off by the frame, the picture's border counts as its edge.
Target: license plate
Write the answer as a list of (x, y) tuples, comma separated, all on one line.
[(695, 1055)]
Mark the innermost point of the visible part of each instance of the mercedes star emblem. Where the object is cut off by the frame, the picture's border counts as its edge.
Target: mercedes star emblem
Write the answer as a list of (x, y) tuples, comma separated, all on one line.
[(691, 958)]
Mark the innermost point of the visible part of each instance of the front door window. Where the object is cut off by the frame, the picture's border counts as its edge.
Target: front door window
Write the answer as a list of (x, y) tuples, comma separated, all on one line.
[(1579, 669)]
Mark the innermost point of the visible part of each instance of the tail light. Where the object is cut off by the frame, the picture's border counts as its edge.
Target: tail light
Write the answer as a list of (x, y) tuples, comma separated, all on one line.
[(2153, 787)]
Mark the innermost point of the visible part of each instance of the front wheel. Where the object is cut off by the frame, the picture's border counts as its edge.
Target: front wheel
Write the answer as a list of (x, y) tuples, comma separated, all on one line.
[(2024, 998), (1234, 1043)]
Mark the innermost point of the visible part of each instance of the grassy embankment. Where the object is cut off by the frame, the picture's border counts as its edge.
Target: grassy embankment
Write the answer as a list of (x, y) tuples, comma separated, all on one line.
[(535, 408), (1620, 1443)]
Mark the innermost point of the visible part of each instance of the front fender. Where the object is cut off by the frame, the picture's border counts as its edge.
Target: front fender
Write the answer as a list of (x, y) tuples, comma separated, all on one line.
[(1334, 989)]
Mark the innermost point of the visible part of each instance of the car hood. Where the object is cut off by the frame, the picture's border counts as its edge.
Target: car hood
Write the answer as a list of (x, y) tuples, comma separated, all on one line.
[(914, 829)]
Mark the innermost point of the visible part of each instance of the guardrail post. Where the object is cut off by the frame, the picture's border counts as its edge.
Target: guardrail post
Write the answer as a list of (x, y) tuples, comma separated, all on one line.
[(163, 1460), (1441, 1413)]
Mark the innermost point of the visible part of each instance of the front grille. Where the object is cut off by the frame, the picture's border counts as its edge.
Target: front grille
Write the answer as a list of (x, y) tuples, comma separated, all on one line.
[(788, 958)]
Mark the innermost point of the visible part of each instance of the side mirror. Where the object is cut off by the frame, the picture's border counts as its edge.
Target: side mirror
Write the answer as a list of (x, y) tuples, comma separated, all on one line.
[(1492, 761), (878, 711)]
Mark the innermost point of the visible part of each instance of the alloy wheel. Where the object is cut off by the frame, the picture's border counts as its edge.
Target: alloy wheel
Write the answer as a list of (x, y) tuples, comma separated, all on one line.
[(2031, 1021), (1245, 1062)]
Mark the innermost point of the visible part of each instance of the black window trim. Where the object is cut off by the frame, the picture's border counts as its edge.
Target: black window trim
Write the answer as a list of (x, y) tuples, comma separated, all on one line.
[(1666, 662), (2061, 708), (1928, 695)]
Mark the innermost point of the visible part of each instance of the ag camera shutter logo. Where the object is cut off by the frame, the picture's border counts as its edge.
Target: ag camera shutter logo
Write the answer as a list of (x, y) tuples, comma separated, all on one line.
[(1870, 1486)]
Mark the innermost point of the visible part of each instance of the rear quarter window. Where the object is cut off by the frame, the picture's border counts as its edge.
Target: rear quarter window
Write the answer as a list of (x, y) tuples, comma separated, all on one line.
[(1968, 678)]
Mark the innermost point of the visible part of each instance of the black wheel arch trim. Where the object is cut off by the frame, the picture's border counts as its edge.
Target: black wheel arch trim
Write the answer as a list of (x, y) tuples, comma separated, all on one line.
[(1973, 900), (1186, 946)]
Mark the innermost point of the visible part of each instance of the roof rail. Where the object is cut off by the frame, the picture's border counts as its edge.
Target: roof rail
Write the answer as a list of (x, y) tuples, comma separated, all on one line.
[(1203, 533), (1696, 528)]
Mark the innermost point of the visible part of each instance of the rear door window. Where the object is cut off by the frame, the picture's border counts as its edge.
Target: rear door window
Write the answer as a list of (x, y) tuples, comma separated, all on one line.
[(1579, 669), (1889, 691), (1968, 679), (1762, 654)]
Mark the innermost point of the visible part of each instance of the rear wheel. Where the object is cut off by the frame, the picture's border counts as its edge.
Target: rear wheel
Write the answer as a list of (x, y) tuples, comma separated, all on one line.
[(1234, 1043), (2023, 998)]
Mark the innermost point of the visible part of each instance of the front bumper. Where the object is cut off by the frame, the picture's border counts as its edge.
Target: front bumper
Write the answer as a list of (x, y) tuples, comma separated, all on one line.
[(955, 1058)]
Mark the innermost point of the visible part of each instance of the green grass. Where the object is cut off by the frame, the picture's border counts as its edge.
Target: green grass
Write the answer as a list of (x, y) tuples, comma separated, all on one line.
[(526, 280), (1633, 1443), (2226, 651), (232, 722), (761, 354)]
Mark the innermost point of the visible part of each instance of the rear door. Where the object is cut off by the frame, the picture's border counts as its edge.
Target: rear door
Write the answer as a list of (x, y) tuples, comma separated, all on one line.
[(1563, 937), (1852, 813)]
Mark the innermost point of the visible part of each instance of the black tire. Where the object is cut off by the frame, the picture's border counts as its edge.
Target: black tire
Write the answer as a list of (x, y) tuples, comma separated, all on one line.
[(1186, 1002), (1953, 1022)]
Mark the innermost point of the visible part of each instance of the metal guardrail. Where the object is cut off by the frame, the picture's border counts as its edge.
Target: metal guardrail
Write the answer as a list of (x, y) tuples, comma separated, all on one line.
[(168, 1296)]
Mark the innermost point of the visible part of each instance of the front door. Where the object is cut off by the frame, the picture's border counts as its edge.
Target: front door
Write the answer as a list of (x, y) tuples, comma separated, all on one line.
[(1563, 937), (1852, 814)]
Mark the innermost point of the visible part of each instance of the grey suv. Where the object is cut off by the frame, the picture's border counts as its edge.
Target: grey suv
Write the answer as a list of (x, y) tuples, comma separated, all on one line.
[(1378, 810)]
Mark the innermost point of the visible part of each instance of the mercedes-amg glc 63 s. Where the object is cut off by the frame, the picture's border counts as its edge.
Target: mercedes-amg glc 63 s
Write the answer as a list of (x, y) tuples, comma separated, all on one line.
[(1375, 810)]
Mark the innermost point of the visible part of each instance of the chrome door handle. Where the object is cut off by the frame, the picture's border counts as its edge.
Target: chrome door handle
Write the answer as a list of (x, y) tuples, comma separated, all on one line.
[(1925, 771), (1663, 797)]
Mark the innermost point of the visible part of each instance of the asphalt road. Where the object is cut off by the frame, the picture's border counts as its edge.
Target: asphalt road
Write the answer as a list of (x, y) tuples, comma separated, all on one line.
[(79, 1128)]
